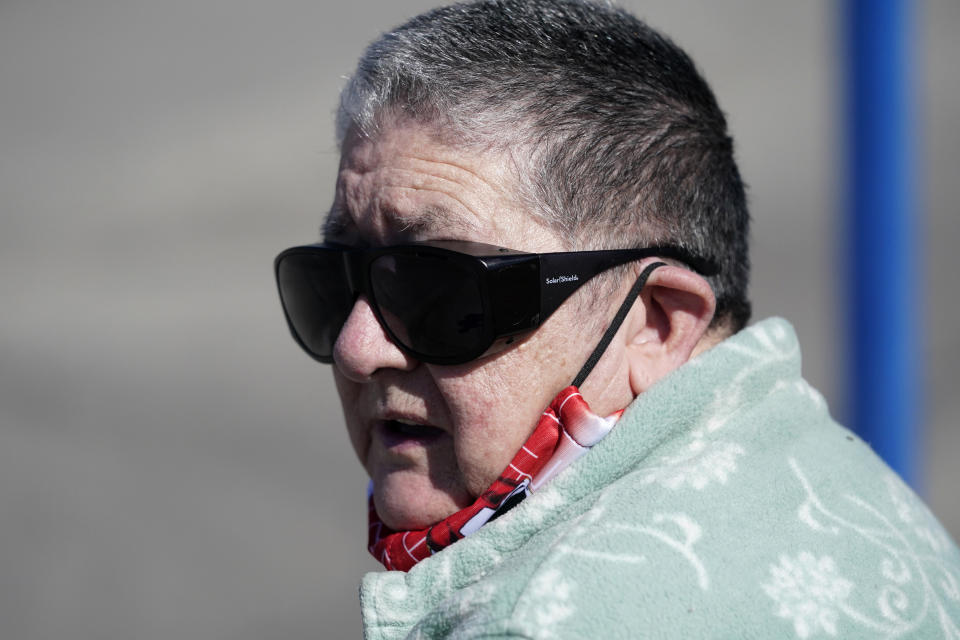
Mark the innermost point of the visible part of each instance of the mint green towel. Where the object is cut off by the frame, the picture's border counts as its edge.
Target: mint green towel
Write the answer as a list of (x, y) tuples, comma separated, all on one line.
[(725, 504)]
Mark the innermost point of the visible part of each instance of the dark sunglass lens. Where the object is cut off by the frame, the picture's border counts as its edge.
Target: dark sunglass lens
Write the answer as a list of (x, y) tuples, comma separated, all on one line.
[(316, 297), (430, 304)]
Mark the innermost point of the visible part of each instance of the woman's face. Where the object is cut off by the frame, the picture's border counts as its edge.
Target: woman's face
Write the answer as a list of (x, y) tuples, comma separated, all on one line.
[(434, 437)]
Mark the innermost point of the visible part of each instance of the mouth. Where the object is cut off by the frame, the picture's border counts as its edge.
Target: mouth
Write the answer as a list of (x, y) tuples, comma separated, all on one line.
[(400, 431)]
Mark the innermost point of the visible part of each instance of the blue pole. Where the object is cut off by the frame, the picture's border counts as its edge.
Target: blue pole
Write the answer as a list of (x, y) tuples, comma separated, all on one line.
[(885, 316)]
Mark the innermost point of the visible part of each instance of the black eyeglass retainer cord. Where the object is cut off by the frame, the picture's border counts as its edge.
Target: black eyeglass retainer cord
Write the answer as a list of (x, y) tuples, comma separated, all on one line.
[(615, 323)]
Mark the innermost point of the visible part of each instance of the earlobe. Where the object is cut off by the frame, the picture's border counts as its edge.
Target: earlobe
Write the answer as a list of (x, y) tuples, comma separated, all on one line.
[(677, 308)]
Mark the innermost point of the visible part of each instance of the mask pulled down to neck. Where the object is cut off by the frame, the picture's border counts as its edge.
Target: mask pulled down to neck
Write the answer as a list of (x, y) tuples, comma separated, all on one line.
[(566, 430)]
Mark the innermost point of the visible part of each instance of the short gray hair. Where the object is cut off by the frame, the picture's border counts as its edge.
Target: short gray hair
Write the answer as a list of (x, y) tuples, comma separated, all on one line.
[(623, 143)]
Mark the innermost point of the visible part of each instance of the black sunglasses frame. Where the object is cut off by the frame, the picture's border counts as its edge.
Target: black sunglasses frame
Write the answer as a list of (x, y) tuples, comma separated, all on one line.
[(518, 290)]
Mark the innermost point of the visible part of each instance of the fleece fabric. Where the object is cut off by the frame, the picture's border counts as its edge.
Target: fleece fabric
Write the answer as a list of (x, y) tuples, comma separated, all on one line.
[(725, 503)]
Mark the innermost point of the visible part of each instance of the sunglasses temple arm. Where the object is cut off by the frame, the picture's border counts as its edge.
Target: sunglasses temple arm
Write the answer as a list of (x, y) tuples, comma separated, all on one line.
[(703, 266), (561, 274)]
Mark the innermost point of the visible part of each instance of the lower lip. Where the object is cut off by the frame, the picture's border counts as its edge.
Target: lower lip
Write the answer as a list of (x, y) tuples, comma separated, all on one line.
[(397, 440)]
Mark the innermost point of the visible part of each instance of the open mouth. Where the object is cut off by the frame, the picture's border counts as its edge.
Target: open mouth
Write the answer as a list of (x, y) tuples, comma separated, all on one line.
[(406, 430)]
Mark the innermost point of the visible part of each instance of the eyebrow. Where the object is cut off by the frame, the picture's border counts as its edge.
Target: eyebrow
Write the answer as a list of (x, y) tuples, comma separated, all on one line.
[(336, 224), (428, 221)]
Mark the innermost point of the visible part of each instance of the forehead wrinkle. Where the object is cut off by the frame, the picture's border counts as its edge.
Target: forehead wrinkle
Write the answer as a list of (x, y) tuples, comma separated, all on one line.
[(471, 195), (405, 185), (449, 170)]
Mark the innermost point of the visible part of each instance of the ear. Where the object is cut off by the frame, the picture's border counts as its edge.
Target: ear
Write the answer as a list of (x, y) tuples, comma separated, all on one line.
[(676, 311)]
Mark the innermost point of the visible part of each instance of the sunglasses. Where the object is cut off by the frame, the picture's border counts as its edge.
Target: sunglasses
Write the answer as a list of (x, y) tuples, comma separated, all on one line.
[(445, 302)]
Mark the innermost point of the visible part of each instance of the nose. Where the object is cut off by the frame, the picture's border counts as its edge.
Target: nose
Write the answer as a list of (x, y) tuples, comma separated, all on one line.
[(363, 347)]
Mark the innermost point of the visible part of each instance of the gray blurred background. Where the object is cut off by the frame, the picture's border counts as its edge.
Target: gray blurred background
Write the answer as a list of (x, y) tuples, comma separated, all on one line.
[(171, 465)]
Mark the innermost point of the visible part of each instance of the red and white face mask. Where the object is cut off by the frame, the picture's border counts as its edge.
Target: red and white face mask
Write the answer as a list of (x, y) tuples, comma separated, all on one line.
[(566, 430)]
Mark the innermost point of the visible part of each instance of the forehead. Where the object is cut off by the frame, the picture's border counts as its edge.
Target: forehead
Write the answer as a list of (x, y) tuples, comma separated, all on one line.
[(403, 184)]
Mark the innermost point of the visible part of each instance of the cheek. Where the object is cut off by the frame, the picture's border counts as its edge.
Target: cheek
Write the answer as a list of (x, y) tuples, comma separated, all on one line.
[(485, 446), (349, 401), (498, 407)]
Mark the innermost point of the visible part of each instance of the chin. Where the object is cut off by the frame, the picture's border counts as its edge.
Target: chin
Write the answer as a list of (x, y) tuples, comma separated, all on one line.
[(413, 503)]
